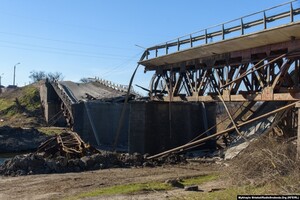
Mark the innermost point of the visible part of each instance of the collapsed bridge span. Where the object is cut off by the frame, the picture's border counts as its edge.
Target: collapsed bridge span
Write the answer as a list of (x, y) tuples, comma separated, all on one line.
[(93, 110)]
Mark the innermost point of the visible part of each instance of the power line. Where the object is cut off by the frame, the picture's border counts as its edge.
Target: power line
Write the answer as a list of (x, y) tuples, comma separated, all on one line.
[(120, 66), (60, 53), (60, 23), (63, 41), (61, 49)]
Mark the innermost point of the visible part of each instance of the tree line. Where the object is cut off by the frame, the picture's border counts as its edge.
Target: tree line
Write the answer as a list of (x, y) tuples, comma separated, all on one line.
[(37, 76)]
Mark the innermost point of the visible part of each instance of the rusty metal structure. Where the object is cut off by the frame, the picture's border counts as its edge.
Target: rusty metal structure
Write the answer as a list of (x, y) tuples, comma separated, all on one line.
[(67, 144), (253, 58)]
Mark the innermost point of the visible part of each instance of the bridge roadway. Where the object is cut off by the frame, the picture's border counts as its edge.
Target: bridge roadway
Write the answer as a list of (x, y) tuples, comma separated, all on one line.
[(231, 47), (71, 93), (78, 92), (260, 66)]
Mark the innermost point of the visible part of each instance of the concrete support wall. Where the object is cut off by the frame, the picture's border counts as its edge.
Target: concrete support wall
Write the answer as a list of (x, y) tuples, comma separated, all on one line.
[(51, 103), (148, 127), (97, 122), (155, 127)]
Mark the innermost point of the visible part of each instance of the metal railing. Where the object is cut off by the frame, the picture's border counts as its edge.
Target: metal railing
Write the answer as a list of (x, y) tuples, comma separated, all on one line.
[(205, 34), (115, 86)]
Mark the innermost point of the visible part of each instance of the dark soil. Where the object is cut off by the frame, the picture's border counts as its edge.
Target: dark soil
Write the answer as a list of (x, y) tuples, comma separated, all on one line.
[(19, 139), (36, 163)]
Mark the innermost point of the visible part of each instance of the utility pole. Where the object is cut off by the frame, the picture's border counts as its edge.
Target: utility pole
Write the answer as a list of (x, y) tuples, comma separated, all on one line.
[(14, 82)]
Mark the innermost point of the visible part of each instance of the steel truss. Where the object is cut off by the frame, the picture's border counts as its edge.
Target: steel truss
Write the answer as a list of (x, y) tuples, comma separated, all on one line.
[(269, 73)]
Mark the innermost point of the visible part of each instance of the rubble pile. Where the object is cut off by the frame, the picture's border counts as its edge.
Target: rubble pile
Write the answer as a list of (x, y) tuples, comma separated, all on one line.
[(36, 163), (68, 153)]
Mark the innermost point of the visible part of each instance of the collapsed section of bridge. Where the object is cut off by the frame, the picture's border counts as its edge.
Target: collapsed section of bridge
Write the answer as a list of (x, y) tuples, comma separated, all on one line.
[(253, 61)]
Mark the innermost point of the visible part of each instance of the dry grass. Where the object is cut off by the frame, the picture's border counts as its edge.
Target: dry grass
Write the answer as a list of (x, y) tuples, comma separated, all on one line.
[(267, 161)]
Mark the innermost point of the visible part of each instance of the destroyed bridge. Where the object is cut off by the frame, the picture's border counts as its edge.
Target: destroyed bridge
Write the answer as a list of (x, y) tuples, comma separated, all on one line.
[(226, 61), (254, 59)]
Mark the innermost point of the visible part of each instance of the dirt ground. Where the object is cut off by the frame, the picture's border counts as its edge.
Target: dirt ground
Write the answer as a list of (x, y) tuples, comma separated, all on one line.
[(60, 186)]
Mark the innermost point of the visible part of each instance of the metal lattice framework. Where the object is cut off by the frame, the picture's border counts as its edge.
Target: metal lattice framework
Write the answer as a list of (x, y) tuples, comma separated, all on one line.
[(258, 76)]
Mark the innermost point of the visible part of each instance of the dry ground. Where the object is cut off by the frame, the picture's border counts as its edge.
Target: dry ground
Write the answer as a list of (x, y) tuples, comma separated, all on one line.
[(61, 186)]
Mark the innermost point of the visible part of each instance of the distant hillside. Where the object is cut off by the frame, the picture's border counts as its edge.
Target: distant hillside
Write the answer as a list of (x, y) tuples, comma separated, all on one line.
[(21, 107)]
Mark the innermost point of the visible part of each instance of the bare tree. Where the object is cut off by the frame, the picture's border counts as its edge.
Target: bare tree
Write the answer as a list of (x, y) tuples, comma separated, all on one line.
[(36, 76), (85, 80), (56, 76)]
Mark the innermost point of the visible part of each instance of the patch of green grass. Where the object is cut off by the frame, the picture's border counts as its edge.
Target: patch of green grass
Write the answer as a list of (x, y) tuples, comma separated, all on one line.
[(27, 99), (228, 193), (199, 179), (4, 104), (31, 98), (50, 130), (125, 189), (144, 187)]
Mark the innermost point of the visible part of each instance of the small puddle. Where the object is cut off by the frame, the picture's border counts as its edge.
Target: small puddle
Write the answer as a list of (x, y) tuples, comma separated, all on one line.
[(5, 156)]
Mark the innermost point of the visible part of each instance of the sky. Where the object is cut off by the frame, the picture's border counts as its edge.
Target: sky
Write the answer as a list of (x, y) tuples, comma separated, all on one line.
[(101, 38)]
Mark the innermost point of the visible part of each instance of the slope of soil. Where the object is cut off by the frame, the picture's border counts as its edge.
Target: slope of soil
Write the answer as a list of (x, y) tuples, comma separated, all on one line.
[(20, 111), (21, 107), (18, 139)]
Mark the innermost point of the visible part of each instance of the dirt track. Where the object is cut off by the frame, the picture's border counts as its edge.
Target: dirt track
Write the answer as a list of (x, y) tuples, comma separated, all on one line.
[(58, 186)]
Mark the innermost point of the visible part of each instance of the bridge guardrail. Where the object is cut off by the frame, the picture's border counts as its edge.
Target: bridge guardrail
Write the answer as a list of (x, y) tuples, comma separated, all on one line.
[(64, 97), (205, 34), (115, 86)]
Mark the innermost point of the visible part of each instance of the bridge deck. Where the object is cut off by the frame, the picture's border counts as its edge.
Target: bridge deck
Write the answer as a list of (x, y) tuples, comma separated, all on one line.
[(262, 38), (87, 91)]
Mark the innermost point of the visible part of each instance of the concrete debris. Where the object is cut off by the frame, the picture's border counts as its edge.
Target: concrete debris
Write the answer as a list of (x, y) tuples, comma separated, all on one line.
[(253, 130), (174, 183), (191, 188), (36, 163), (216, 189), (68, 153), (204, 160)]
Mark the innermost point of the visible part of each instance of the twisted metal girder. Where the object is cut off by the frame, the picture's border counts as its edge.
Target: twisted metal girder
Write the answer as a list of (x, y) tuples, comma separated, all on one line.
[(274, 77)]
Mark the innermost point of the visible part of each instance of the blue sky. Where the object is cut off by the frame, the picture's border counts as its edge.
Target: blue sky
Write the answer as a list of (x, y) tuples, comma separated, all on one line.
[(97, 37)]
